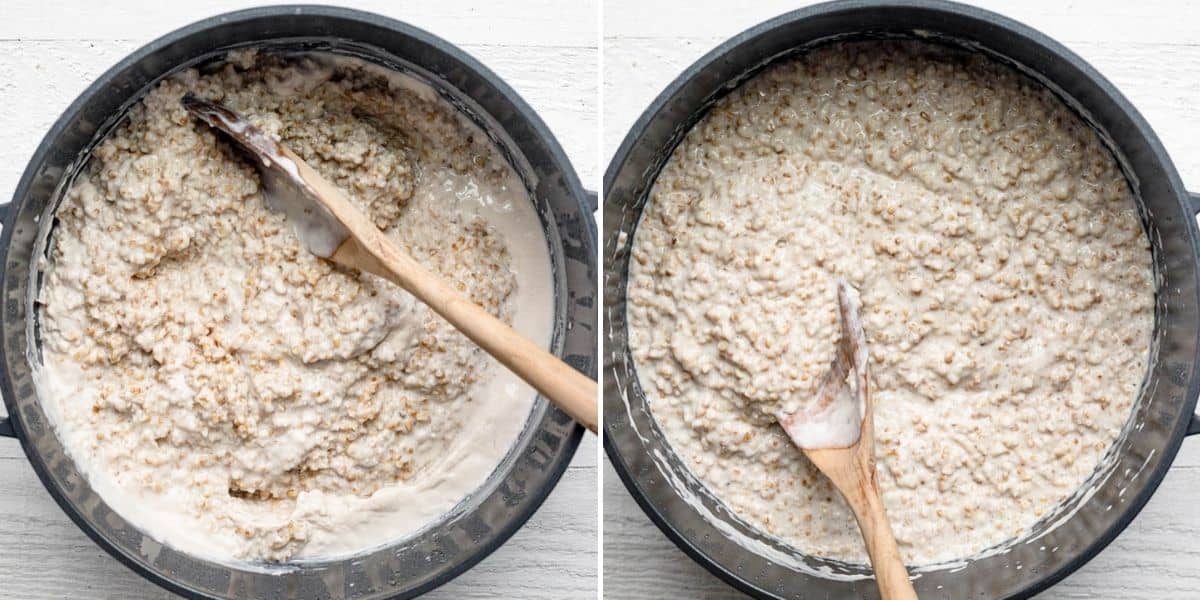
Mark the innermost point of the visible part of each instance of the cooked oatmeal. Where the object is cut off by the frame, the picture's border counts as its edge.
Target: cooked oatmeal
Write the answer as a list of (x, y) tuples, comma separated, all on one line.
[(235, 396), (1005, 279)]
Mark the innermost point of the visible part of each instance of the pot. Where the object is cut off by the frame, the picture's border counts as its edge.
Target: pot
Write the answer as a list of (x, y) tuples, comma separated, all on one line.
[(1163, 414), (481, 522)]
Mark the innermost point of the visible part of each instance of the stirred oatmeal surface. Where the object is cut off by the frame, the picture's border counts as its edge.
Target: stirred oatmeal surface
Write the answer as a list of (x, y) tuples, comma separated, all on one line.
[(1006, 285), (234, 395)]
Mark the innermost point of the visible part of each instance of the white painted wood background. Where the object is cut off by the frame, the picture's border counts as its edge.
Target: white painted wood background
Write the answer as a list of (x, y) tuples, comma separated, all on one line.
[(50, 51), (1149, 48)]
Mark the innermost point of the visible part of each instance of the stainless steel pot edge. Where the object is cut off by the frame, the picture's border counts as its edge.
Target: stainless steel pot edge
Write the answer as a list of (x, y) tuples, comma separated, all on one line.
[(10, 426), (1189, 202)]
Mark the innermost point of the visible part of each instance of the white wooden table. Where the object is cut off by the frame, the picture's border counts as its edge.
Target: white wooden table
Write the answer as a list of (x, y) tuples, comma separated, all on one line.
[(1149, 48), (545, 49)]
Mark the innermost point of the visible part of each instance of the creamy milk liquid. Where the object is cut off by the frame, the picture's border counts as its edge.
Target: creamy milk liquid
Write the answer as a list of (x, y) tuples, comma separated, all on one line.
[(493, 413), (837, 425)]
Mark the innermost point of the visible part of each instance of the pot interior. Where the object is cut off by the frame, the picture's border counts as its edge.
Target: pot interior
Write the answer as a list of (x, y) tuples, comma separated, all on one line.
[(1061, 541), (480, 522)]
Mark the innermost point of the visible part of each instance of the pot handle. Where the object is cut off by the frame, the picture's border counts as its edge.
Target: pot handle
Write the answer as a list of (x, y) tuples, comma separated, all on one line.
[(1194, 424), (6, 426)]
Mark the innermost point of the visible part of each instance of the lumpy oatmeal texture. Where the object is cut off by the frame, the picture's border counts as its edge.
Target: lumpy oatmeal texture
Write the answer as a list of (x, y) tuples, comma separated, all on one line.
[(1005, 278), (221, 366)]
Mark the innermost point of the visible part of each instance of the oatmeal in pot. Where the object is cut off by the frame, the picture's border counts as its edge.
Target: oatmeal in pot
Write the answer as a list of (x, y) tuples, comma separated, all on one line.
[(233, 395), (1005, 279)]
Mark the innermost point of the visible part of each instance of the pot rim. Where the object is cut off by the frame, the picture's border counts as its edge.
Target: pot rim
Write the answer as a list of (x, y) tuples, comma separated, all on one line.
[(12, 427), (1189, 205)]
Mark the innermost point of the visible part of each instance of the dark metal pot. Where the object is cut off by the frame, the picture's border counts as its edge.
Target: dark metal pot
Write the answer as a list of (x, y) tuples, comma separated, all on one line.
[(483, 521), (1061, 542)]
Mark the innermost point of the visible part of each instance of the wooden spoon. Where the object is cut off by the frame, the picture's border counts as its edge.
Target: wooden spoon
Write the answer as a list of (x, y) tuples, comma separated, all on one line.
[(332, 227), (837, 434)]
